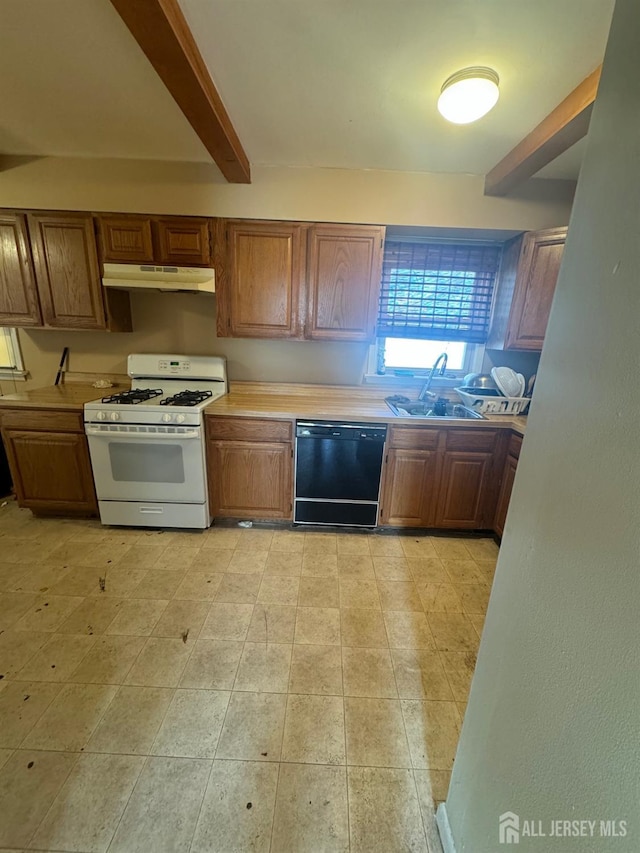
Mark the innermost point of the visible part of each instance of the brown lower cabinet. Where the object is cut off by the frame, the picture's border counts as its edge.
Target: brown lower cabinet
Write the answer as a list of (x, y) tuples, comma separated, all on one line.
[(441, 478), (457, 478), (49, 461), (508, 477), (297, 280), (465, 496), (408, 497), (250, 472), (445, 478)]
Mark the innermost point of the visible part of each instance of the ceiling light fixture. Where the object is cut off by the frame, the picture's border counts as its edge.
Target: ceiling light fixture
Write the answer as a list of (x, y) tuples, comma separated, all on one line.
[(469, 94)]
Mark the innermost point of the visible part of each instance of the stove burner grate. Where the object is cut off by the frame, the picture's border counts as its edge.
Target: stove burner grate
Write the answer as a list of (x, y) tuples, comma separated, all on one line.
[(130, 398), (186, 398)]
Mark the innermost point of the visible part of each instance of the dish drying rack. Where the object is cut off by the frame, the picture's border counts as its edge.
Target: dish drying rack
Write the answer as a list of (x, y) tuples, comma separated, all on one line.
[(493, 405)]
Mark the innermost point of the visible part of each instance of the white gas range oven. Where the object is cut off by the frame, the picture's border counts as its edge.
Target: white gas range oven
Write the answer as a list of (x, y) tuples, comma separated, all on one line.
[(147, 444)]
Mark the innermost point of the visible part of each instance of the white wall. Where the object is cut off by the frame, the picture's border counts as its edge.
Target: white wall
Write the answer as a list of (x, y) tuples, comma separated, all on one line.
[(186, 323), (331, 195), (552, 725)]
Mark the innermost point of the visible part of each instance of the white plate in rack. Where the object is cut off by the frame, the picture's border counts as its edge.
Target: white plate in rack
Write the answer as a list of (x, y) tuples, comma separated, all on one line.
[(506, 380)]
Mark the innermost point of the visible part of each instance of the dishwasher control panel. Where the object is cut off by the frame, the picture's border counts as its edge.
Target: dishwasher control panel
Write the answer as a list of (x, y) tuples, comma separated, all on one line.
[(350, 432)]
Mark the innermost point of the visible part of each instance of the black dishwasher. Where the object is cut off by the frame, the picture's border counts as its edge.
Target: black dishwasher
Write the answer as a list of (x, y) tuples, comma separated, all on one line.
[(338, 467)]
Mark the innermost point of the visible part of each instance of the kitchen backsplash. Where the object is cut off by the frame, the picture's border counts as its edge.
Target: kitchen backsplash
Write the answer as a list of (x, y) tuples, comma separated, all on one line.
[(185, 323), (522, 362)]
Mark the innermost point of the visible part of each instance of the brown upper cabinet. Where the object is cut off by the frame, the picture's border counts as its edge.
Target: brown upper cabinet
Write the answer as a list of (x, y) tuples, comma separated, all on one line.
[(126, 239), (169, 240), (67, 270), (298, 280), (19, 305), (344, 270), (527, 282), (183, 241), (262, 281), (50, 274)]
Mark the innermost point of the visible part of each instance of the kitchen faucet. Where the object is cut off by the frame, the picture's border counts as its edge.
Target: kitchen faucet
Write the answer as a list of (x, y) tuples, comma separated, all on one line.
[(425, 388)]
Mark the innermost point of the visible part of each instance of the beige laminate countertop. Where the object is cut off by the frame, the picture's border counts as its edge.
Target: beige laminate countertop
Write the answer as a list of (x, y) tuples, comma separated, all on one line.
[(357, 403), (71, 396), (269, 400)]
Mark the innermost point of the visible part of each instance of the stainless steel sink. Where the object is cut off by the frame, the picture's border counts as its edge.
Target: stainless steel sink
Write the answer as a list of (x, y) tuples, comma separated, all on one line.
[(429, 409)]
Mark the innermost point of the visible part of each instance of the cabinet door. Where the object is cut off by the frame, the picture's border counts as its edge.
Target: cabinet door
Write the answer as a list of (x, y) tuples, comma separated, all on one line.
[(19, 304), (410, 484), (259, 294), (505, 494), (534, 288), (67, 273), (464, 490), (126, 240), (344, 272), (250, 479), (183, 241), (51, 471)]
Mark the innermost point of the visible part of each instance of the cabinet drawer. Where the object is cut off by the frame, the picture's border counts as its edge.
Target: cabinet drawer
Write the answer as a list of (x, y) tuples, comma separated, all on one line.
[(46, 421), (515, 444), (471, 439), (411, 438), (248, 429)]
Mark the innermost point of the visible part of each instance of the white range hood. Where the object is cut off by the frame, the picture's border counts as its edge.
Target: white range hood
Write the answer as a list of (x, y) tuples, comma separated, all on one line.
[(151, 277)]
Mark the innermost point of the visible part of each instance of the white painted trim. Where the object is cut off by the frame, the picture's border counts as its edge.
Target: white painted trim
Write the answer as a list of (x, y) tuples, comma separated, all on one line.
[(473, 364), (444, 828), (418, 381), (17, 375), (13, 346)]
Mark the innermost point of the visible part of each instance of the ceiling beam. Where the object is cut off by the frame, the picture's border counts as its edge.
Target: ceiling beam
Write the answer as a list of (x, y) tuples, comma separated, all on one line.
[(161, 30), (561, 129)]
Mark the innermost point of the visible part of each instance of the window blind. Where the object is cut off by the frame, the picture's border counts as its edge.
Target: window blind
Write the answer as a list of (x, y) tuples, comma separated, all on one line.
[(440, 291)]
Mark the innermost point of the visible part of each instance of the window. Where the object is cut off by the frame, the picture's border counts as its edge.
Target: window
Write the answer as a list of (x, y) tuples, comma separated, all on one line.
[(412, 354), (10, 357), (435, 297)]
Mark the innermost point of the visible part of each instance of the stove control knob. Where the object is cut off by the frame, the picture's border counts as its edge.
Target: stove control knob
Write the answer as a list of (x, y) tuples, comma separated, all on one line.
[(114, 416), (166, 418), (180, 419), (101, 416)]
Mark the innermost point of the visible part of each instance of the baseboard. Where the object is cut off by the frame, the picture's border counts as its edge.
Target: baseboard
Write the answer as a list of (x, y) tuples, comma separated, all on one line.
[(446, 836)]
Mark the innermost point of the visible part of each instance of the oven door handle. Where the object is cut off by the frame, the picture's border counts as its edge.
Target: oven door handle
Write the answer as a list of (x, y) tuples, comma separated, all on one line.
[(142, 436)]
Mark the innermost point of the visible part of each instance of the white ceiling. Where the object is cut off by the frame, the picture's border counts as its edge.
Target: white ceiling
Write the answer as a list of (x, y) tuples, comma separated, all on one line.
[(75, 83), (330, 83), (567, 165)]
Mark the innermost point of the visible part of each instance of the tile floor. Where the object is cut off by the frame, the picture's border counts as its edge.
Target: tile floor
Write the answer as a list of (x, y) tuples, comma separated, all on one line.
[(232, 690)]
